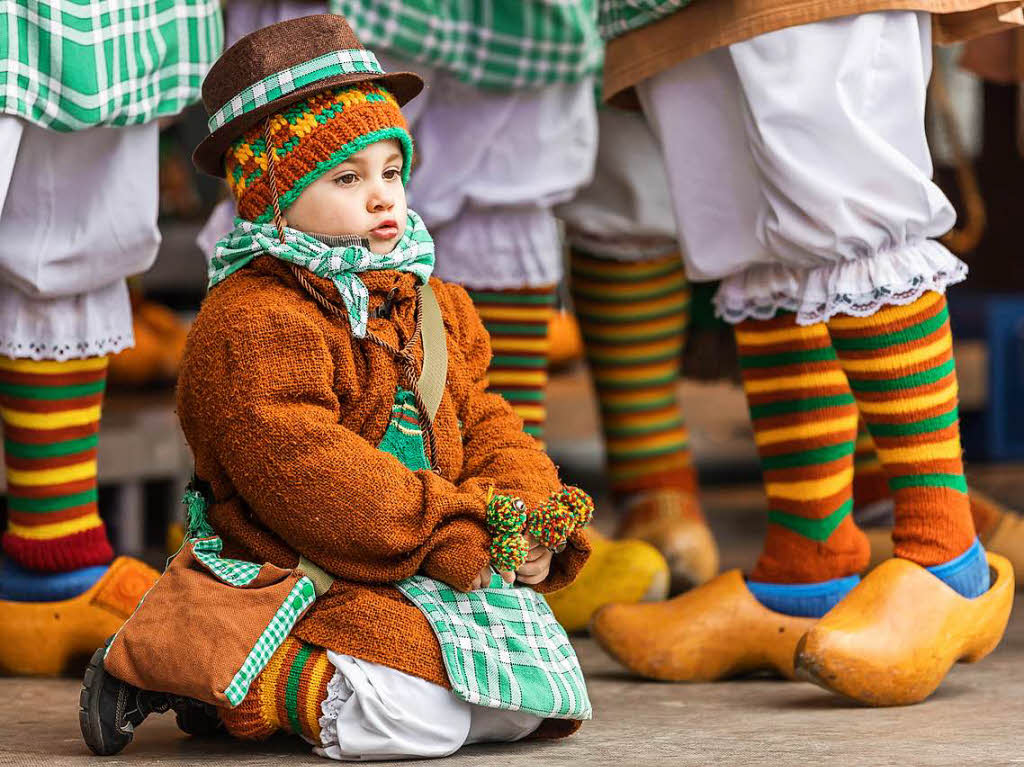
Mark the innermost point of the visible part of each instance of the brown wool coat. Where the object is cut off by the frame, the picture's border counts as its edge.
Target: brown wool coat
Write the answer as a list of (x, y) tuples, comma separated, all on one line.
[(708, 24), (283, 407)]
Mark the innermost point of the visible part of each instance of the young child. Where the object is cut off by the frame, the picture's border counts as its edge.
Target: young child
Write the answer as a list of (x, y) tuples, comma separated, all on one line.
[(532, 133), (303, 397)]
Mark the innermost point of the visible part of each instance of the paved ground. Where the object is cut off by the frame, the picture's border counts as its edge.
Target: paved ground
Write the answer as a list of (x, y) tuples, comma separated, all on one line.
[(977, 717)]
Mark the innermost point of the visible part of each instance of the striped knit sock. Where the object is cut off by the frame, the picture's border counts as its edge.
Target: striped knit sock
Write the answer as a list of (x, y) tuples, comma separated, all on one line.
[(51, 413), (517, 321), (805, 424), (285, 696), (869, 483), (870, 486), (634, 316), (899, 362)]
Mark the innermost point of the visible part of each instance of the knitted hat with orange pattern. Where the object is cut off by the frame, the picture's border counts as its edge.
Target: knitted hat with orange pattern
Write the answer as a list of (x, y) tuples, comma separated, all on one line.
[(309, 137)]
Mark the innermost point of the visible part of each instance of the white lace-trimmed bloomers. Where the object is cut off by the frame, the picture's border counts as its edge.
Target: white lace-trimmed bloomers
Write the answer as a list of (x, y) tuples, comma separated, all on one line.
[(799, 168), (78, 214)]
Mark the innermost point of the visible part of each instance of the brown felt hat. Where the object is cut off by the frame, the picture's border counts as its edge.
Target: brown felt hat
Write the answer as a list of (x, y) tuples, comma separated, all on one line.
[(310, 54)]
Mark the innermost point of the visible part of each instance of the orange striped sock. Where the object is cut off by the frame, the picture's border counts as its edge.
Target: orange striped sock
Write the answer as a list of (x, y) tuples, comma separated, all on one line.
[(634, 316), (870, 486), (285, 696), (517, 321), (51, 412), (869, 483), (900, 366), (805, 424)]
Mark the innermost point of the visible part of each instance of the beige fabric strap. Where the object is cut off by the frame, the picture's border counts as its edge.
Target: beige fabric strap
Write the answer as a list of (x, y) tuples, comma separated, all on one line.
[(322, 580), (435, 353)]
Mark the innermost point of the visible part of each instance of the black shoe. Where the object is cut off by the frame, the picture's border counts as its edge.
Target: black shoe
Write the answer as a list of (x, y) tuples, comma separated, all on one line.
[(198, 719), (109, 710)]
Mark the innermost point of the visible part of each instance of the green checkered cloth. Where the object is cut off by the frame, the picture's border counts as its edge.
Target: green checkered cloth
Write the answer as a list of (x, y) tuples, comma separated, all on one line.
[(503, 45), (75, 64), (503, 648), (616, 17), (302, 595)]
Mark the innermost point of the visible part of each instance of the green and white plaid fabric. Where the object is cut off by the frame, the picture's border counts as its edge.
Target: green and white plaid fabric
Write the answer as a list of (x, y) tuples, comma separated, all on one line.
[(302, 595), (616, 17), (73, 64), (414, 253), (237, 572), (344, 62), (503, 648), (509, 45)]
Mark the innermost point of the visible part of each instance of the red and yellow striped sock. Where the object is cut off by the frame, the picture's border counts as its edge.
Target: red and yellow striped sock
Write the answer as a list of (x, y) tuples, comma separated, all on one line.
[(634, 316), (285, 696), (51, 413), (900, 366), (517, 321), (805, 424)]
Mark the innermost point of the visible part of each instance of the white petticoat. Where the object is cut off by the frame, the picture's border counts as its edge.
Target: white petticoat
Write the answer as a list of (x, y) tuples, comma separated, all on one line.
[(859, 287), (799, 168), (78, 215), (625, 212)]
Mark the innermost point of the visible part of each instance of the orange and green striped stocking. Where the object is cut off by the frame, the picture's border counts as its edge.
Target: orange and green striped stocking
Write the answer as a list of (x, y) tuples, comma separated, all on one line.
[(805, 424), (285, 696), (633, 316), (870, 487), (517, 321), (899, 362), (51, 413)]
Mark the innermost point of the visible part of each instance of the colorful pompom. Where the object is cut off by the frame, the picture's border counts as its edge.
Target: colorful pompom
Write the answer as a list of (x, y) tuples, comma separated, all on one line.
[(550, 524)]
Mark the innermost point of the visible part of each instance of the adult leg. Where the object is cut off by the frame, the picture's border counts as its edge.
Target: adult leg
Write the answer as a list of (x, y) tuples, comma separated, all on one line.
[(849, 220), (63, 308)]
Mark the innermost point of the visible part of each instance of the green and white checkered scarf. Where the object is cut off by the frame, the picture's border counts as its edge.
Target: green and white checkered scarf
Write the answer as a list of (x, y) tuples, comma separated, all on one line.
[(414, 253)]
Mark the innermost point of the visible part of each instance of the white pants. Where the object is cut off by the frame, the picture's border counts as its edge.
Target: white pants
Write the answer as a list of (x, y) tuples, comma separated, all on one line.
[(625, 212), (78, 214), (373, 713), (799, 169)]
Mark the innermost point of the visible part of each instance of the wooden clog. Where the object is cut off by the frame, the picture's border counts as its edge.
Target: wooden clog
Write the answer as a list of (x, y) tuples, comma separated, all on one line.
[(893, 639), (716, 631), (47, 638), (617, 571), (670, 520)]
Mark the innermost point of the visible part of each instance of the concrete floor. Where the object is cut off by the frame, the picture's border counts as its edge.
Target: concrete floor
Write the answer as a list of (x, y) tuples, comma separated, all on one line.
[(977, 716)]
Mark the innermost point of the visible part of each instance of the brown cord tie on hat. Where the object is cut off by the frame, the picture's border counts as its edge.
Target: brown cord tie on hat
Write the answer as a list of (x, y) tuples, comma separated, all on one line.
[(404, 355)]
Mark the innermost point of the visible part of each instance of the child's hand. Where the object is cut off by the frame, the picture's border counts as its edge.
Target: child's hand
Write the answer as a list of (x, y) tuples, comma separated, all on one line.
[(538, 563), (483, 578)]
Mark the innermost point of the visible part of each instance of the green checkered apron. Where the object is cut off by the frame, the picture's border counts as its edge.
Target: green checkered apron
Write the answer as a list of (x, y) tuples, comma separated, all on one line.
[(502, 646), (616, 17), (511, 45), (76, 64)]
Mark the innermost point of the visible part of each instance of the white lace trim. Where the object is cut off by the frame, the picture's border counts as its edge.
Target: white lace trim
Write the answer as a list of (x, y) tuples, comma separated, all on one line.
[(858, 288), (100, 347), (338, 692)]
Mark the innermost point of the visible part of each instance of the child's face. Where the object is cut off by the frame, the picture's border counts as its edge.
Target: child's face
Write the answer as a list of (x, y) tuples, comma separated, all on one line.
[(363, 196)]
